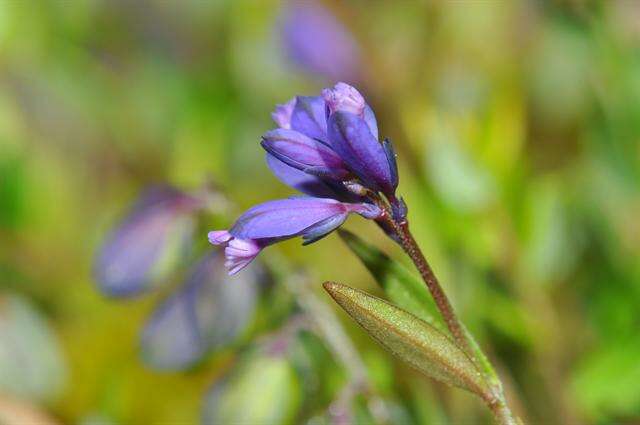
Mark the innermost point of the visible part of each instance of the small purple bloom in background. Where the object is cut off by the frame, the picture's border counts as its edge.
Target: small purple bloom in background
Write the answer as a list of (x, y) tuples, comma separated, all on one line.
[(318, 43), (326, 147), (207, 313), (143, 245)]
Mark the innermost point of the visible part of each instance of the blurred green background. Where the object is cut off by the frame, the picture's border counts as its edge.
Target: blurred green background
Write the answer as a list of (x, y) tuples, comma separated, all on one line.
[(517, 126)]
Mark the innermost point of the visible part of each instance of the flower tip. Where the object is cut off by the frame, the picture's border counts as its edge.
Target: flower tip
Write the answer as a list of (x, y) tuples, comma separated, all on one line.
[(369, 211), (283, 112), (219, 237), (239, 253), (344, 98)]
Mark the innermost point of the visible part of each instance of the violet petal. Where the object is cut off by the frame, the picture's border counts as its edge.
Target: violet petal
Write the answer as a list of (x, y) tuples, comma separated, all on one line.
[(283, 112), (284, 217), (370, 119), (351, 138), (344, 98), (391, 159), (305, 154), (299, 180), (309, 117), (323, 228)]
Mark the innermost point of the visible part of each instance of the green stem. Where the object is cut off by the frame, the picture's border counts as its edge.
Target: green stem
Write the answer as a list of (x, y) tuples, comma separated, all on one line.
[(414, 252), (501, 412), (495, 400)]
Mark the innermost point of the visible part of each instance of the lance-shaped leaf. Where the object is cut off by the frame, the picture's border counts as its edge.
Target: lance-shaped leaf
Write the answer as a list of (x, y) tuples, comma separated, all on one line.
[(410, 338), (401, 286), (408, 291)]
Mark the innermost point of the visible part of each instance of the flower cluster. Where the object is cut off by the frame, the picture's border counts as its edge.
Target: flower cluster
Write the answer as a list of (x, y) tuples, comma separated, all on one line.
[(326, 147)]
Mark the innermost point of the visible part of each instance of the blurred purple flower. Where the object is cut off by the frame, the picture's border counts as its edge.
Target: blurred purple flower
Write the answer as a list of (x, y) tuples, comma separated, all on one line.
[(139, 250), (318, 43), (208, 312), (342, 169), (274, 221)]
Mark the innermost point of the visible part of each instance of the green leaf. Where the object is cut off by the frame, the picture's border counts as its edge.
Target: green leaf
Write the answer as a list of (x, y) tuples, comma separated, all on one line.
[(401, 286), (410, 338), (408, 291)]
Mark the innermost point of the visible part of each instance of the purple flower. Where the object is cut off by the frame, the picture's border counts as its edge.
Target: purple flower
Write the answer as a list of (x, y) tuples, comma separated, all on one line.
[(139, 250), (317, 42), (350, 148), (325, 147), (206, 313), (274, 221)]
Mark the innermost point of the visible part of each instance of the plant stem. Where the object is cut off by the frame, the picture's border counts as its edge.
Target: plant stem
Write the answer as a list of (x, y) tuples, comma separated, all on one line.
[(502, 413), (495, 400), (341, 346), (414, 252)]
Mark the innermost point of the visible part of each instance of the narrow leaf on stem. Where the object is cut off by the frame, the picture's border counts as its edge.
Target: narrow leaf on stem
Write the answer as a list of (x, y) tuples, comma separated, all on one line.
[(401, 286), (411, 339)]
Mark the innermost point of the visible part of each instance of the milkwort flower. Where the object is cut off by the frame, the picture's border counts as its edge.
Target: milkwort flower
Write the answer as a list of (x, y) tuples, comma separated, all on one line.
[(327, 148), (205, 314)]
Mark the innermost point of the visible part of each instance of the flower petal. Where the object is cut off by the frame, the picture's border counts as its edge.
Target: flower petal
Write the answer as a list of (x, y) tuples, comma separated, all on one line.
[(323, 228), (370, 119), (219, 237), (285, 217), (299, 180), (283, 112), (351, 138), (344, 98), (305, 154), (309, 117), (239, 253)]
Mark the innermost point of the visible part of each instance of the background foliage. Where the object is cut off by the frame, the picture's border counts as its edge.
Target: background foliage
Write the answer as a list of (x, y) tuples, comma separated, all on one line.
[(517, 126)]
